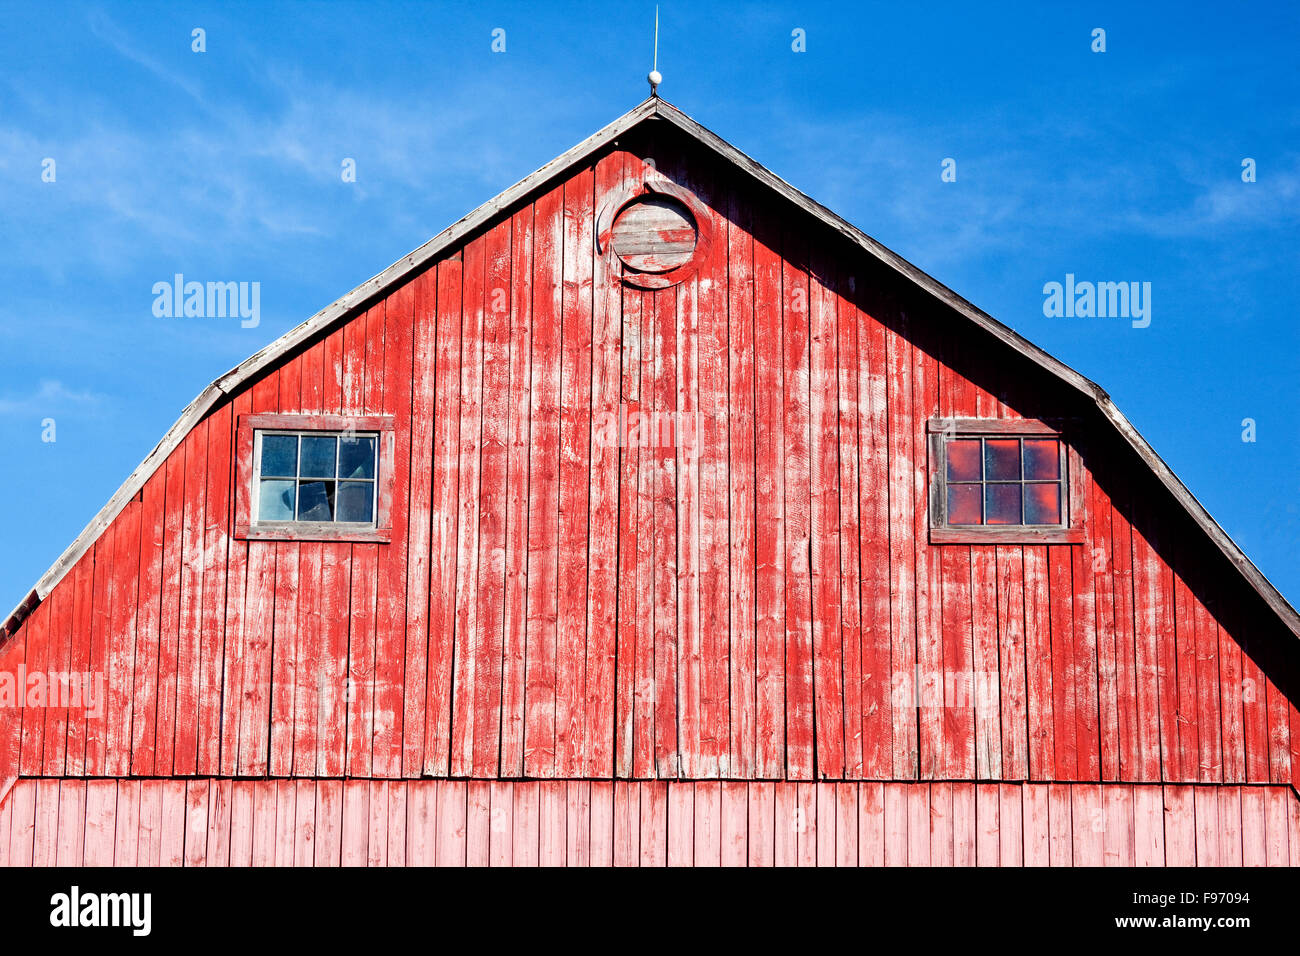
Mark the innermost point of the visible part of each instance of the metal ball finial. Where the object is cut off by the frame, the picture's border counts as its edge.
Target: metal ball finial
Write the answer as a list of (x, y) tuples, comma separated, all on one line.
[(655, 78)]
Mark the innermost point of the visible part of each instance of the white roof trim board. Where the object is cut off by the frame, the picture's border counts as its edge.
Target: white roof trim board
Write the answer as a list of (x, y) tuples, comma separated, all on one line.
[(651, 108)]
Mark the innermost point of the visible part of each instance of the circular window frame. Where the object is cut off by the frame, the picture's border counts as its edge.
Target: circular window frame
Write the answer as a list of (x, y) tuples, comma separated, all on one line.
[(653, 280)]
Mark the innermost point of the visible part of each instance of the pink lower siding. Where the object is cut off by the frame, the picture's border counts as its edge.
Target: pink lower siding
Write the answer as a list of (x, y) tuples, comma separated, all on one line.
[(222, 822)]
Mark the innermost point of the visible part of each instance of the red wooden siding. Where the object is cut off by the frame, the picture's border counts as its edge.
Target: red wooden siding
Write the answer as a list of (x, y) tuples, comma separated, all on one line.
[(760, 603), (221, 822)]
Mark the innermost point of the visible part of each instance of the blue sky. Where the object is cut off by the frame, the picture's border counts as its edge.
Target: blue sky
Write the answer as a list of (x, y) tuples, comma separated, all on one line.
[(1115, 166)]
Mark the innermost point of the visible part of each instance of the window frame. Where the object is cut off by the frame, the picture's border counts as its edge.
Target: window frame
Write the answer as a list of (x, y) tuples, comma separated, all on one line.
[(248, 528), (1072, 530)]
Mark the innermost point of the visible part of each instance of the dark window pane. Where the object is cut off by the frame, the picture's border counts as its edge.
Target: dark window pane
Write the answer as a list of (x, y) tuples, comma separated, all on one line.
[(279, 455), (1001, 459), (1042, 458), (316, 500), (964, 459), (356, 457), (1043, 504), (964, 504), (275, 503), (318, 457), (1002, 504), (356, 500)]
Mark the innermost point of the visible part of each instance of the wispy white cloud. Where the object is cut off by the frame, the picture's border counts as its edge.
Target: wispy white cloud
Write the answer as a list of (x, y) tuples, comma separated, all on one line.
[(49, 398)]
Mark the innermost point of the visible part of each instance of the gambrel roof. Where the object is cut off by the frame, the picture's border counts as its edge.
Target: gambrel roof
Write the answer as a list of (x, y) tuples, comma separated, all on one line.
[(650, 109)]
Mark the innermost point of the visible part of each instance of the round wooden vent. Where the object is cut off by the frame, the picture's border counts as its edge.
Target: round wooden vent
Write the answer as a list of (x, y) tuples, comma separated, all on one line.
[(654, 234)]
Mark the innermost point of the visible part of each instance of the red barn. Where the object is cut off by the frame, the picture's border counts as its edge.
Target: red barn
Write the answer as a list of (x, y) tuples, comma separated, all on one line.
[(651, 513)]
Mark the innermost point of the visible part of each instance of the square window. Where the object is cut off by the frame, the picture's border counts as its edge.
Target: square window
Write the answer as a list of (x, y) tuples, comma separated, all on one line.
[(1000, 480), (314, 477)]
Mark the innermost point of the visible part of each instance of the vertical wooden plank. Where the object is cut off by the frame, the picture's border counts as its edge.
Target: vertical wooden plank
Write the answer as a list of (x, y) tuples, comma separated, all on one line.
[(126, 835), (805, 828), (799, 705), (524, 841), (478, 823), (666, 561), (263, 823), (1103, 582), (1036, 827), (29, 721), (988, 841), (392, 573), (309, 635), (470, 648), (64, 820), (654, 823), (1038, 660), (544, 500), (1206, 810), (377, 824), (1060, 846), (216, 546), (196, 822), (770, 495), (232, 679), (846, 824), (578, 823), (1065, 726), (903, 435), (1208, 713), (1085, 648), (601, 827), (627, 823), (552, 818), (1088, 825), (789, 820), (450, 844), (218, 823), (1117, 838), (22, 828), (1011, 662), (329, 823), (443, 498), (575, 462), (895, 821), (762, 824), (930, 691), (421, 822), (741, 477), (871, 823), (100, 643), (1010, 825), (708, 824), (1254, 827), (363, 383), (173, 823), (100, 823), (988, 681), (303, 835), (874, 509), (828, 820), (825, 447), (1157, 692), (603, 497), (501, 800), (632, 581), (1276, 825), (1148, 826), (918, 824), (144, 695), (290, 614), (1180, 827), (518, 494), (964, 824), (193, 564), (681, 824), (424, 360), (734, 823), (354, 848), (1230, 829), (1131, 755)]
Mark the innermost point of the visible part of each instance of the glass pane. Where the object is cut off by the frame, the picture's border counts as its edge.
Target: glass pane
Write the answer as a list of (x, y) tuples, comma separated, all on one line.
[(356, 457), (1001, 459), (1042, 458), (964, 459), (275, 503), (1043, 503), (964, 504), (356, 499), (315, 500), (279, 455), (1002, 504), (318, 456)]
